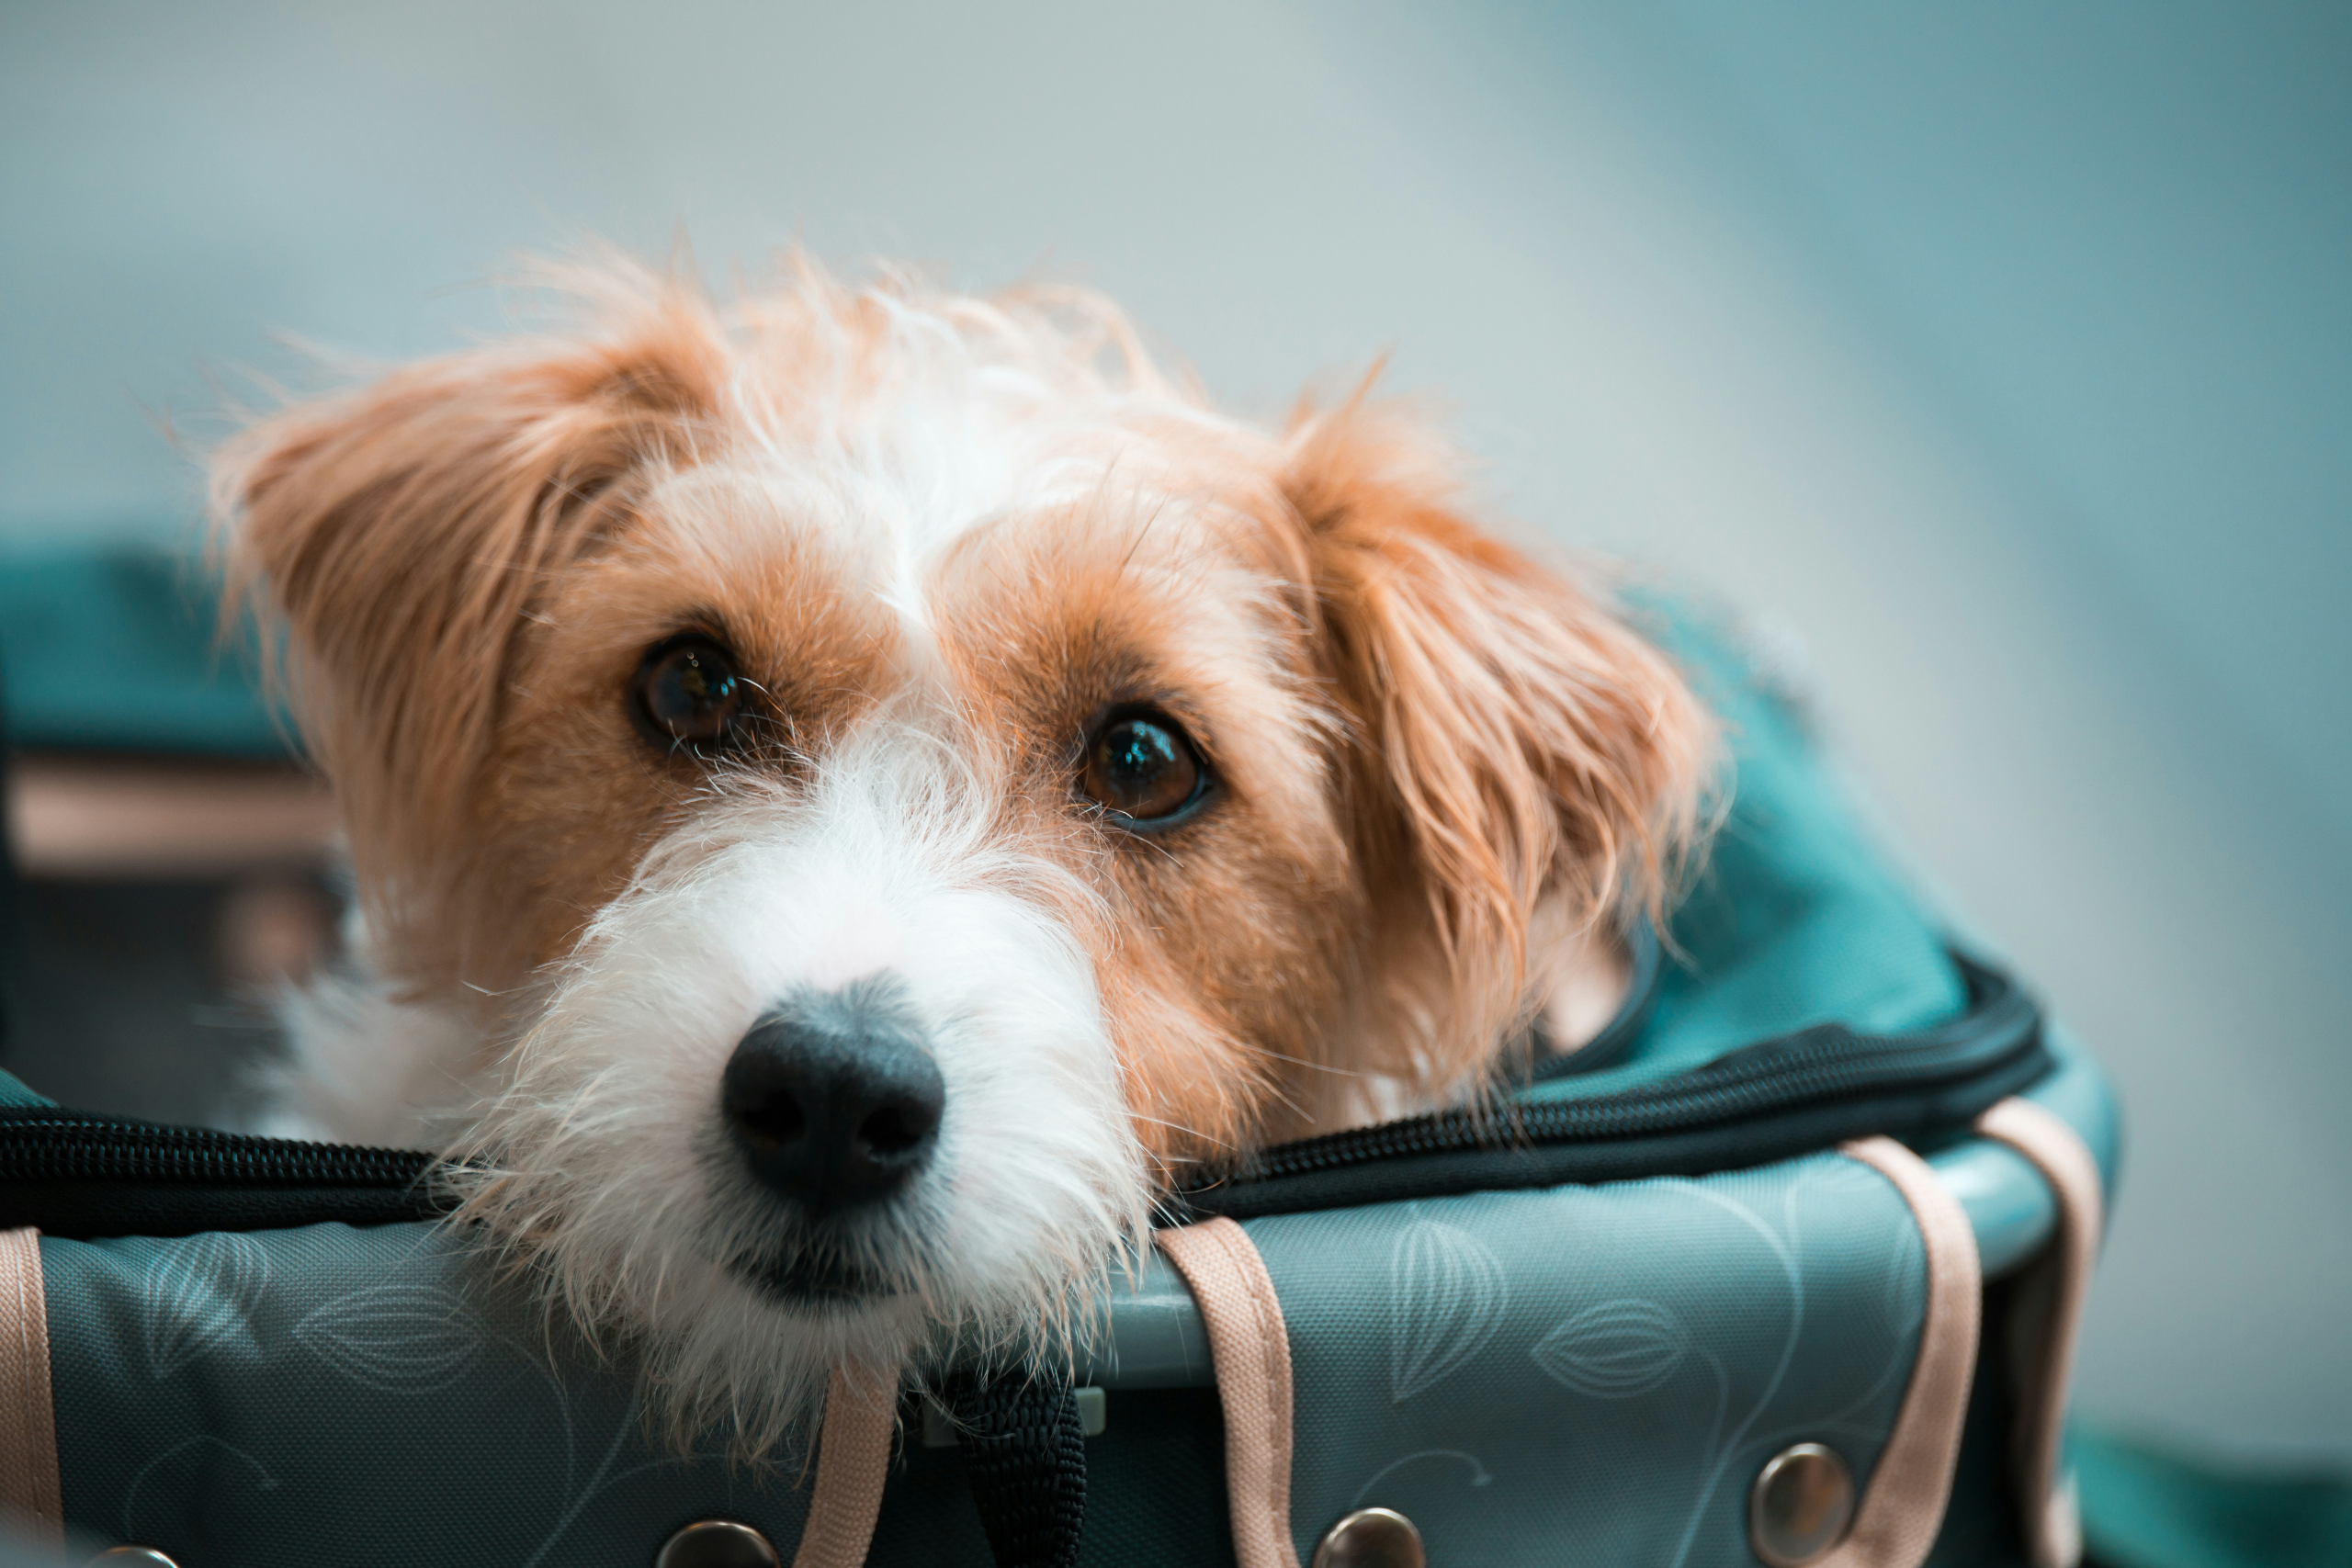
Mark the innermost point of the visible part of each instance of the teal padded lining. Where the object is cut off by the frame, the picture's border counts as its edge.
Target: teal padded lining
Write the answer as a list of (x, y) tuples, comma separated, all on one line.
[(1796, 920), (113, 650)]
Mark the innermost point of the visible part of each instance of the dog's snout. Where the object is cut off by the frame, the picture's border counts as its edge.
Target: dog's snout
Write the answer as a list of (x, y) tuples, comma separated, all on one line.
[(834, 1098)]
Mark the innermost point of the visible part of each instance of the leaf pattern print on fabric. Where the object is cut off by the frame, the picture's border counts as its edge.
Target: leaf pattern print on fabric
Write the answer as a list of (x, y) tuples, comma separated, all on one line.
[(1446, 1295), (1479, 1475), (398, 1338), (200, 1291), (179, 1471), (1616, 1350)]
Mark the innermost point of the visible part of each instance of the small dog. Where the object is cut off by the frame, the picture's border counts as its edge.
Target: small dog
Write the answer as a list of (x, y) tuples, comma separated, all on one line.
[(854, 793)]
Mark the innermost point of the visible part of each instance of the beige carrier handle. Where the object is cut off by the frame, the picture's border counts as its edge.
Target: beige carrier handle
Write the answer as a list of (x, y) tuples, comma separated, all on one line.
[(1251, 1349), (2046, 1314), (852, 1461), (1896, 1523), (30, 1496)]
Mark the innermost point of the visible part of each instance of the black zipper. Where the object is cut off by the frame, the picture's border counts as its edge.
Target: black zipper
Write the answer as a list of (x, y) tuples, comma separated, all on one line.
[(41, 1143), (1799, 1091), (72, 1173)]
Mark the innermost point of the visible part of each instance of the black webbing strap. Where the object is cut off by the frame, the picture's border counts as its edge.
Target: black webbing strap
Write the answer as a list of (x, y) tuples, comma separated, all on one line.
[(1024, 1458)]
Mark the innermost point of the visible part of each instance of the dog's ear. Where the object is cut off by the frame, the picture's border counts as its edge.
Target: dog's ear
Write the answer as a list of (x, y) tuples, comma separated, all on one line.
[(397, 536), (1517, 749)]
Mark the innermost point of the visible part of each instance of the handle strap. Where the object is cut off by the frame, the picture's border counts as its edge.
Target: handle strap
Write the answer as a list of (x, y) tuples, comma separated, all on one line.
[(1896, 1524), (1251, 1351), (853, 1460), (2047, 1311), (30, 1495)]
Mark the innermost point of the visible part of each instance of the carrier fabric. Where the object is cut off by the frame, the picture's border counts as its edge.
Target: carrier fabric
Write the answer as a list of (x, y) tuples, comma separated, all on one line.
[(1796, 918), (1595, 1370)]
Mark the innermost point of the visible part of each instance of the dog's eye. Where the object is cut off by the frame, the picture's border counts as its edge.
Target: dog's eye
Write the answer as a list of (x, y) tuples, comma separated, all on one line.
[(1143, 766), (687, 690)]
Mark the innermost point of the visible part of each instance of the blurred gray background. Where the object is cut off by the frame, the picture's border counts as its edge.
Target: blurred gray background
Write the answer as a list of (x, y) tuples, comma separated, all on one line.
[(1998, 358)]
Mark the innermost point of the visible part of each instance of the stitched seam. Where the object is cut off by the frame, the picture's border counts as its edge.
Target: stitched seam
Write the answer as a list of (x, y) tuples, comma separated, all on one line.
[(1253, 1287), (1233, 1290), (30, 1490)]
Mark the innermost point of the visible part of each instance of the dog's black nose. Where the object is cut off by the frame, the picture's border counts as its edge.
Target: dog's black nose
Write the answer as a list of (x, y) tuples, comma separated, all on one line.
[(834, 1098)]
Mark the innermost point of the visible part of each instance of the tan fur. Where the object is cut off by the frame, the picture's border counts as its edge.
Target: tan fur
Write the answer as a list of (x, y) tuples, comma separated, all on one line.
[(1430, 747), (1519, 749)]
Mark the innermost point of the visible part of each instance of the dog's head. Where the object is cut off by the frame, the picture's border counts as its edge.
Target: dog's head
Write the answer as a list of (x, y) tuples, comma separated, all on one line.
[(895, 781)]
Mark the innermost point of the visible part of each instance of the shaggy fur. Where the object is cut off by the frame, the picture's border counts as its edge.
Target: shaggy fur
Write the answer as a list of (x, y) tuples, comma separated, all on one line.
[(941, 536)]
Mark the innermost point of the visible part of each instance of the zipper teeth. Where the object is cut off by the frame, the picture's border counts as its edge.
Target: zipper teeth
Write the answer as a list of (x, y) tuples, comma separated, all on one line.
[(35, 1148), (1745, 1089), (42, 1147), (39, 1147)]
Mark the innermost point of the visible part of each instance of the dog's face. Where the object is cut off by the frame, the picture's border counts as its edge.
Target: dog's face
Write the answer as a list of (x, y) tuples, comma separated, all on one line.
[(896, 793)]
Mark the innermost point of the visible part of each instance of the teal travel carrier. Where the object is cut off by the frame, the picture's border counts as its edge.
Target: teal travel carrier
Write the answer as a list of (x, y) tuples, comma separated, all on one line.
[(1785, 1268)]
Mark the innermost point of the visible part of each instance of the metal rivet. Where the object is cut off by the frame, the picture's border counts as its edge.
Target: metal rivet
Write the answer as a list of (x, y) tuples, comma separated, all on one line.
[(1370, 1537), (717, 1543), (131, 1557), (1800, 1505)]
